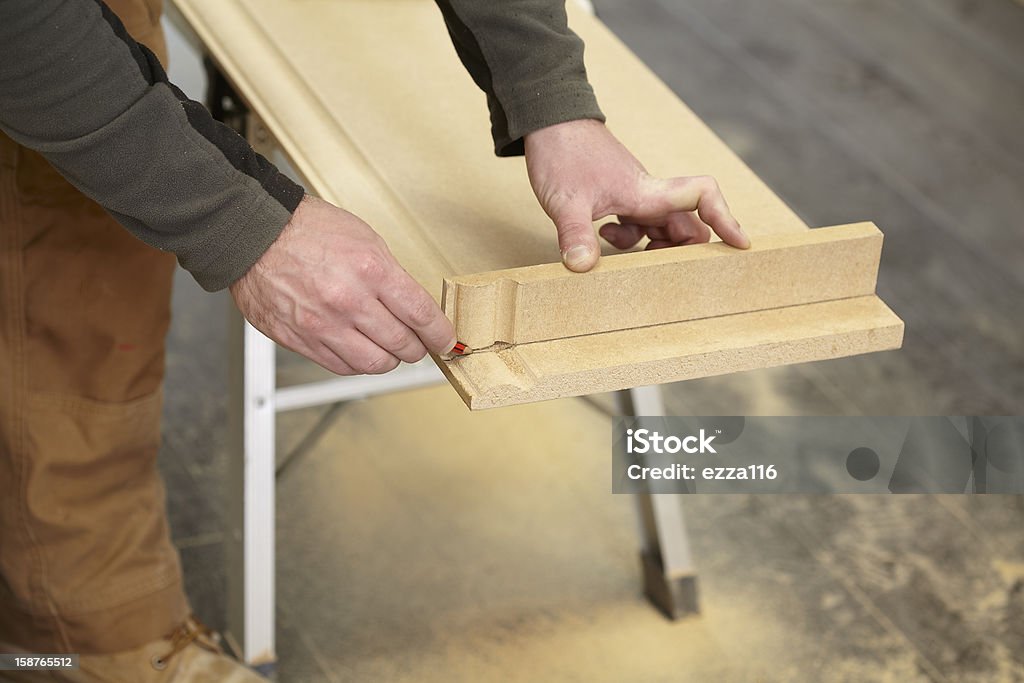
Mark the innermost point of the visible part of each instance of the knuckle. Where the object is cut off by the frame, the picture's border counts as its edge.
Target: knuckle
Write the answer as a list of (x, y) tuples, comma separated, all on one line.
[(416, 355), (636, 199), (364, 307), (338, 296), (561, 199), (344, 370), (309, 321), (397, 339), (709, 183), (636, 195), (379, 364), (371, 266), (572, 227), (422, 312)]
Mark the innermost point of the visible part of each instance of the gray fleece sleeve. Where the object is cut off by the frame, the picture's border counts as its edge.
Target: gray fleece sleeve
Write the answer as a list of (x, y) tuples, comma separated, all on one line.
[(527, 60), (75, 87)]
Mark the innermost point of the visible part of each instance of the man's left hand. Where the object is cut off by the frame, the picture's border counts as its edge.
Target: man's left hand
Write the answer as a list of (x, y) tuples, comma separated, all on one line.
[(581, 173)]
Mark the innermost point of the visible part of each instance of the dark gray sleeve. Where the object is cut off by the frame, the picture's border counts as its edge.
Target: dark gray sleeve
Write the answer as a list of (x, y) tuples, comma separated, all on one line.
[(75, 87), (523, 55)]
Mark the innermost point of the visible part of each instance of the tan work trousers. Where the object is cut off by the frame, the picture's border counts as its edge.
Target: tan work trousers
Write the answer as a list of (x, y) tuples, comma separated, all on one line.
[(86, 561)]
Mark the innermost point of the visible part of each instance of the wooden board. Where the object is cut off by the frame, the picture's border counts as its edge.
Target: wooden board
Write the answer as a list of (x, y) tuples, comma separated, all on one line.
[(674, 352), (538, 303), (370, 104)]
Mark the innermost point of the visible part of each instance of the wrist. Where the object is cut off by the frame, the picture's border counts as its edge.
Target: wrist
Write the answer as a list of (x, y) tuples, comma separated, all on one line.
[(564, 130)]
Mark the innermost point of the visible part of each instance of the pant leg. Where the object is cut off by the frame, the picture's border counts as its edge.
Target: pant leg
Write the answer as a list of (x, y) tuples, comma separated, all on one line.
[(86, 562)]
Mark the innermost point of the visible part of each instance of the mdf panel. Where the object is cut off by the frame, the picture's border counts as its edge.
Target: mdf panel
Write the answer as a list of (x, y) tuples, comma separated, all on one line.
[(544, 302)]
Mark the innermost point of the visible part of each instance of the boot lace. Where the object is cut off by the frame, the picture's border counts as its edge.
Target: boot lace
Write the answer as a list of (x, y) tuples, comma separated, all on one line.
[(192, 631)]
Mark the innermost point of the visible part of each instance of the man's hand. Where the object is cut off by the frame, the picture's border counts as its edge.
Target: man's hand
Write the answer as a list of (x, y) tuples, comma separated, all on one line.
[(581, 173), (330, 289)]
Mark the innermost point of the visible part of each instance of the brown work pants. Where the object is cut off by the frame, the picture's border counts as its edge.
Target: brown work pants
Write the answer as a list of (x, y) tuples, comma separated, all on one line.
[(86, 561)]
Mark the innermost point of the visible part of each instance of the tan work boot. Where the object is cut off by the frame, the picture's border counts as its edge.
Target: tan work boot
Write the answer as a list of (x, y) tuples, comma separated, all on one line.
[(189, 655)]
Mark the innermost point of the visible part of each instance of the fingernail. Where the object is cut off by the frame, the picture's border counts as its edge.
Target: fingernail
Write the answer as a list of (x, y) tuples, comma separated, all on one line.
[(576, 256), (744, 233), (451, 346)]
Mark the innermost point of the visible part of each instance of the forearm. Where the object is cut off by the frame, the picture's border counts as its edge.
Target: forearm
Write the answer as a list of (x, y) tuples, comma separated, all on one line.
[(75, 87), (523, 55)]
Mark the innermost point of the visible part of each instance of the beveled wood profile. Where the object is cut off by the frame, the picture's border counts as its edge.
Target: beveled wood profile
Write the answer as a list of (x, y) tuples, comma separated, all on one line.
[(674, 352), (639, 289)]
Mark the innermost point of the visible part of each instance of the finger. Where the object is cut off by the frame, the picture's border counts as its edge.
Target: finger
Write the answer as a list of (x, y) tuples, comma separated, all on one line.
[(644, 220), (700, 194), (386, 331), (411, 304), (685, 228), (316, 351), (658, 232), (576, 238), (326, 358), (622, 235), (313, 349), (659, 244), (359, 353)]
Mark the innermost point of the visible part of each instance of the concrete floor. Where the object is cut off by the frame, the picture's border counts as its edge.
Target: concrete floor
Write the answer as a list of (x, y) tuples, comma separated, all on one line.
[(487, 547)]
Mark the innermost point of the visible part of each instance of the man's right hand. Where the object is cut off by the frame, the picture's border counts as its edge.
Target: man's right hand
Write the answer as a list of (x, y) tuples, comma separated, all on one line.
[(330, 289)]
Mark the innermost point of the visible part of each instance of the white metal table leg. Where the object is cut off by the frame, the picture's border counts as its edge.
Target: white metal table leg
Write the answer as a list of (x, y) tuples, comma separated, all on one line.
[(669, 575), (254, 402), (249, 550)]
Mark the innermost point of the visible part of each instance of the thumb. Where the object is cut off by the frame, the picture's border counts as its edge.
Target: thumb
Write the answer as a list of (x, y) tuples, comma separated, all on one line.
[(576, 238)]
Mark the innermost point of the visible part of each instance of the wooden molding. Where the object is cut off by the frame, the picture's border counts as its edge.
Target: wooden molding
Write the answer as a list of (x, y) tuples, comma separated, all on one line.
[(639, 289), (674, 352)]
